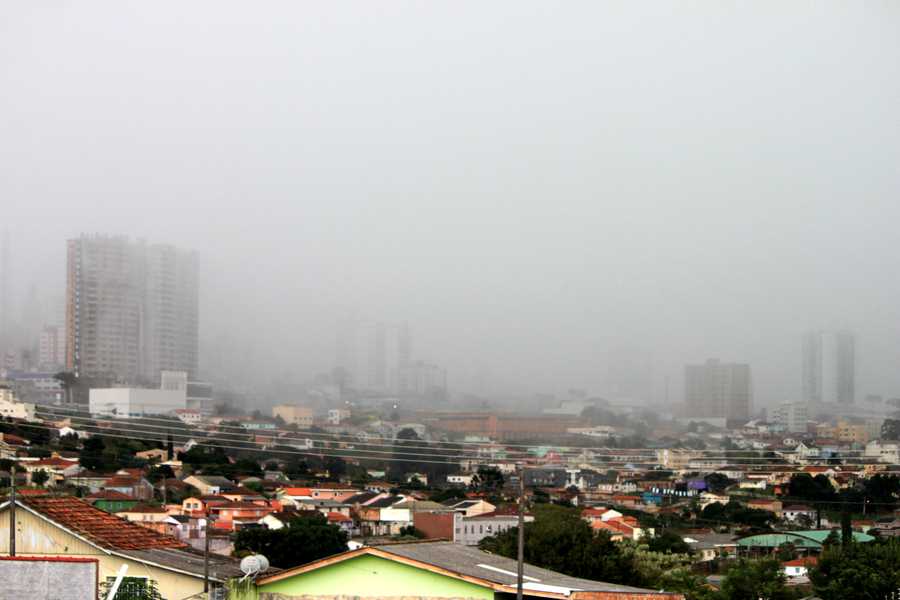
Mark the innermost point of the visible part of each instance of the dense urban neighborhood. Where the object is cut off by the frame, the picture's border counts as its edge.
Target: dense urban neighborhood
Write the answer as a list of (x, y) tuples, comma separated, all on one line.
[(615, 503)]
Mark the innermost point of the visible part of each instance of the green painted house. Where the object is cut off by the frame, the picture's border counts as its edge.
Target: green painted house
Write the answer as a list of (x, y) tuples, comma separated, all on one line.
[(111, 501), (435, 570)]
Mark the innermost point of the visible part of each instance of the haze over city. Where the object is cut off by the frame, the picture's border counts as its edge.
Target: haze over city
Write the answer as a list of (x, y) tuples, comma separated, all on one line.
[(535, 189)]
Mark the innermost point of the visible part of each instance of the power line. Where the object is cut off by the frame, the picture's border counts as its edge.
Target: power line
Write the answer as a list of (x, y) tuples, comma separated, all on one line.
[(563, 450), (153, 436), (392, 448)]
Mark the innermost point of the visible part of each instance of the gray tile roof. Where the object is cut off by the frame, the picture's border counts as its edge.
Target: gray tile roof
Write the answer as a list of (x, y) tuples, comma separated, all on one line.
[(471, 561), (188, 560)]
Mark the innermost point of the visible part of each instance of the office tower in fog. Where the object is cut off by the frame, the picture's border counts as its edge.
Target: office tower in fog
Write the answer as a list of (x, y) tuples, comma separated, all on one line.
[(404, 359), (131, 309), (718, 390), (171, 312), (378, 358), (829, 367), (5, 293)]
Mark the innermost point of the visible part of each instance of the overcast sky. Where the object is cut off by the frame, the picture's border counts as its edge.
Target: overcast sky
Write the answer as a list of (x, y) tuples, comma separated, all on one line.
[(529, 184)]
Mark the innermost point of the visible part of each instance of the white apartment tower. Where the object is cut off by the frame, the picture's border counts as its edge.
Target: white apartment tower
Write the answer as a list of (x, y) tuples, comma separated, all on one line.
[(131, 309), (829, 367)]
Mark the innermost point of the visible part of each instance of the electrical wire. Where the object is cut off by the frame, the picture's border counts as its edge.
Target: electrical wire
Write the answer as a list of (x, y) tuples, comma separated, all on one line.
[(392, 448), (563, 450), (151, 436)]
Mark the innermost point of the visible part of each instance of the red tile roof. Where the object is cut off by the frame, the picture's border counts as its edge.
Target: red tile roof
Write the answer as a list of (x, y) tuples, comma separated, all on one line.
[(806, 561), (335, 517), (101, 528), (52, 462)]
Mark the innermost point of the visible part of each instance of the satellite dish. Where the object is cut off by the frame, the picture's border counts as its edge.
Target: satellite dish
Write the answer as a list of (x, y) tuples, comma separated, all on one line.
[(254, 565)]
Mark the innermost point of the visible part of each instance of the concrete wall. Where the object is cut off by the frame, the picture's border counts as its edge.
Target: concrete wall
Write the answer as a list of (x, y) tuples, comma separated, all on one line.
[(37, 537), (135, 401), (50, 578)]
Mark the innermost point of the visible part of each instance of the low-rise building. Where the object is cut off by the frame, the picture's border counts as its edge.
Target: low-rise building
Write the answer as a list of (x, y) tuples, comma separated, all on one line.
[(799, 567), (292, 414), (65, 526), (437, 569), (883, 451), (127, 403)]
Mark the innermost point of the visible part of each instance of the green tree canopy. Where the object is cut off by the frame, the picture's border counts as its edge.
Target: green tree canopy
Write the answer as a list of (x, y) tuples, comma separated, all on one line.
[(303, 540), (858, 571), (558, 539)]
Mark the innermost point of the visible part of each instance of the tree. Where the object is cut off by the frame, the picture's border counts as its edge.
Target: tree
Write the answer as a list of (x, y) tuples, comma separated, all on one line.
[(735, 512), (91, 455), (132, 588), (787, 551), (40, 477), (406, 445), (858, 571), (846, 529), (890, 429), (669, 542), (813, 489), (487, 479), (717, 482), (304, 540), (67, 380), (755, 580), (560, 540)]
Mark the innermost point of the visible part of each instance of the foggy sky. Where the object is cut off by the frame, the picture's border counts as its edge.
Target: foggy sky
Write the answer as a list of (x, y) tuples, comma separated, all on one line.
[(529, 184)]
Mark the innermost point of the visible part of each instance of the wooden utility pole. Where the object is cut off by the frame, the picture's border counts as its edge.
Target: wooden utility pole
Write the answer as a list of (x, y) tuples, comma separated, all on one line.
[(12, 510), (206, 554), (520, 572)]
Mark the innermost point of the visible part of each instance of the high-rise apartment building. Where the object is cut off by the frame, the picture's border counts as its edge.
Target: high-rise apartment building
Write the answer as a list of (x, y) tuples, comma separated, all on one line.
[(829, 367), (718, 390), (52, 348), (131, 309)]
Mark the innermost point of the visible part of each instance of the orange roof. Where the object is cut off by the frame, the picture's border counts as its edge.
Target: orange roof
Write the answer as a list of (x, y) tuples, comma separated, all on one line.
[(336, 517), (805, 561), (52, 462), (101, 528), (594, 512), (297, 491)]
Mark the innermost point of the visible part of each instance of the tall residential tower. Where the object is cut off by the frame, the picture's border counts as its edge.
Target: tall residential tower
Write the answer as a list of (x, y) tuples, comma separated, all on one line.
[(131, 309), (718, 390), (829, 367)]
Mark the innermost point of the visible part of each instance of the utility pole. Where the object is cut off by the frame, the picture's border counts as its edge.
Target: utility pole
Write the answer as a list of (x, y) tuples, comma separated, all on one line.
[(206, 554), (521, 553), (12, 510)]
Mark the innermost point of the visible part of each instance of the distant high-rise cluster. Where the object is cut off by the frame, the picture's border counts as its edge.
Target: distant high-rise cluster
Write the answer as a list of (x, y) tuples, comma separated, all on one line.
[(131, 309), (718, 390), (829, 367), (388, 366)]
